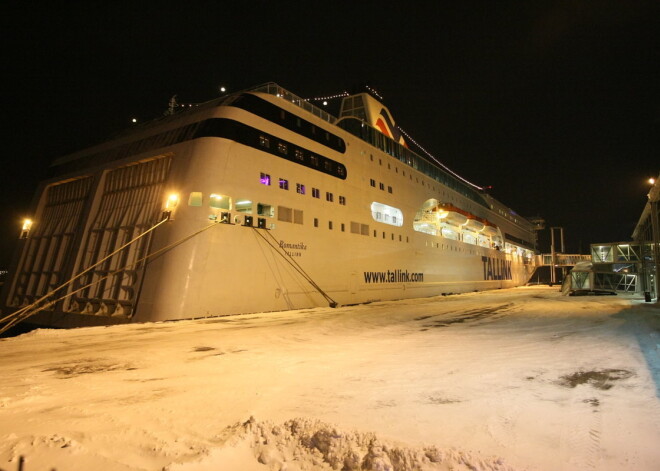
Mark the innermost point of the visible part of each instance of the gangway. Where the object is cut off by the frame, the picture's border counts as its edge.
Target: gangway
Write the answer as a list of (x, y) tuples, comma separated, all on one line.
[(561, 259)]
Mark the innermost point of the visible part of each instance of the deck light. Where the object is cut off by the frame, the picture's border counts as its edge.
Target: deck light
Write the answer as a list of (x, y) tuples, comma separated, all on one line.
[(25, 230), (170, 205), (172, 201), (652, 181)]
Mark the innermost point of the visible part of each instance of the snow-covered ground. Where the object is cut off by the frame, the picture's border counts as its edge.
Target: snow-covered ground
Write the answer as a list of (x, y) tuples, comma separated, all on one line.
[(512, 379)]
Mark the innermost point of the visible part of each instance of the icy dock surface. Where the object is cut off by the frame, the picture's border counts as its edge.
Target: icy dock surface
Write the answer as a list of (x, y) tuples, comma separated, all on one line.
[(520, 379)]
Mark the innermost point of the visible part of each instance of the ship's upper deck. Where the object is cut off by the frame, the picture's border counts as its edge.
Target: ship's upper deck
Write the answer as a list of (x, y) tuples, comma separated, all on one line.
[(351, 124)]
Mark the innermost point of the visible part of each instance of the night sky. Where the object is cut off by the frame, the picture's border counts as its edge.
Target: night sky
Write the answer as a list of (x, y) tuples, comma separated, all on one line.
[(556, 105)]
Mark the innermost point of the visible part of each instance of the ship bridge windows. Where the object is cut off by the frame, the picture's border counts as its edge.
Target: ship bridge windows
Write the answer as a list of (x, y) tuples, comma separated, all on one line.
[(386, 214)]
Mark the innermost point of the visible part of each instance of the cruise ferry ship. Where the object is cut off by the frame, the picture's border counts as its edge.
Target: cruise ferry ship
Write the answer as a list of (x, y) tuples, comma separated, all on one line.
[(257, 201)]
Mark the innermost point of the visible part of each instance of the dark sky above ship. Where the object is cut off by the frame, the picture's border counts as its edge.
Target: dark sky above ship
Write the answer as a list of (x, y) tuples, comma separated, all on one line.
[(555, 104)]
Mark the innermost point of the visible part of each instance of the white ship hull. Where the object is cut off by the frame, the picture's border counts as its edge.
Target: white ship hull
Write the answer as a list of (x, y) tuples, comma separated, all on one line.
[(314, 237)]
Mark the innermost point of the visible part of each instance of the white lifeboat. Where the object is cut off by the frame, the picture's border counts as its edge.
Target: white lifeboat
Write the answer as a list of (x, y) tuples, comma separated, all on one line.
[(490, 229), (474, 224), (449, 213)]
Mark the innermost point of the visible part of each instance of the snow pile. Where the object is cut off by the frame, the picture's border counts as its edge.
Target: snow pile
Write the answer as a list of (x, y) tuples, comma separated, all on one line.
[(304, 444), (546, 382)]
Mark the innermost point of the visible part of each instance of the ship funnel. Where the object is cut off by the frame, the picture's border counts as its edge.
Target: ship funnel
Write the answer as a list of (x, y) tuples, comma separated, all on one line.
[(367, 108)]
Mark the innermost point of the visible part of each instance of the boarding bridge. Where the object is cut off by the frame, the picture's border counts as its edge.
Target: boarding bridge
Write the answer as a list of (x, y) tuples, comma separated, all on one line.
[(617, 267), (561, 259), (628, 266)]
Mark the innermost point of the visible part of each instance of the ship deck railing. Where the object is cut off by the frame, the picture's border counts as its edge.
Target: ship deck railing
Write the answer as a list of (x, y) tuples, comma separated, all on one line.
[(274, 89)]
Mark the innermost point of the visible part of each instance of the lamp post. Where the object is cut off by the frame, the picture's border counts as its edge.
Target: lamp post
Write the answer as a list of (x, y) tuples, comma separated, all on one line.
[(648, 234), (553, 253), (654, 197)]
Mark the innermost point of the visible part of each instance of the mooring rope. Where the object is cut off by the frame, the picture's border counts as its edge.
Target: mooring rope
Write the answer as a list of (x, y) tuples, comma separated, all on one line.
[(27, 311), (296, 266)]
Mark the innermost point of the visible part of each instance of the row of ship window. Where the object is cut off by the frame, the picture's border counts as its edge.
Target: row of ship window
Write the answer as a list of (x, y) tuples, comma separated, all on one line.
[(265, 179), (286, 214), (381, 185), (362, 229), (299, 155), (380, 212)]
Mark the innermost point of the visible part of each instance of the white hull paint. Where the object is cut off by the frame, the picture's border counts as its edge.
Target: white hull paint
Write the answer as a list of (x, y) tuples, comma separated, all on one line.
[(234, 268)]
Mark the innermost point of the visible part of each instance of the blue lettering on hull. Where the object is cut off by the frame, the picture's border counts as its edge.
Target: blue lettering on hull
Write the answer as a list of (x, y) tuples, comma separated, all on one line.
[(496, 269)]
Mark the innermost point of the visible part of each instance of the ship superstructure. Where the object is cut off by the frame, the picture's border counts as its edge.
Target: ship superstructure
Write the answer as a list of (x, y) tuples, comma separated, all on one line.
[(258, 201)]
